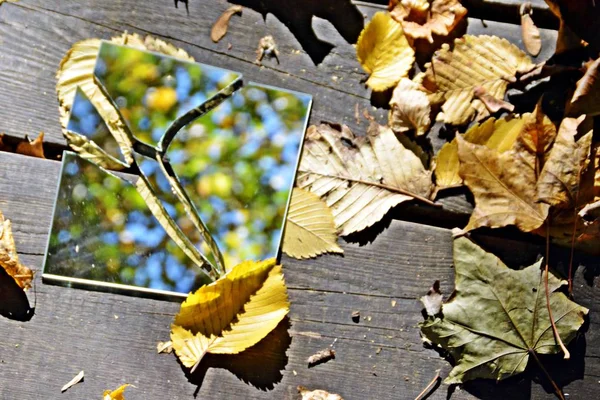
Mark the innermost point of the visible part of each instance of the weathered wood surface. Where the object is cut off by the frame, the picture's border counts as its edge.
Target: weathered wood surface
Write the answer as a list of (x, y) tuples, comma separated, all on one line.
[(113, 337)]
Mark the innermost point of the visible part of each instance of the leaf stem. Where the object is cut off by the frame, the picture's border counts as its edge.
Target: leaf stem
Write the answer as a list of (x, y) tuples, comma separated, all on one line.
[(431, 384), (554, 330), (559, 392)]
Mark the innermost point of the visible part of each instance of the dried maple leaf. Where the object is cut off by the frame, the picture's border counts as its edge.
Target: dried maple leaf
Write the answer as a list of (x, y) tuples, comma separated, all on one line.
[(231, 314), (310, 228), (219, 29), (117, 394), (498, 317), (530, 33), (409, 108), (475, 61), (384, 52), (586, 99), (33, 148), (361, 178), (421, 19), (498, 135), (9, 260), (318, 394)]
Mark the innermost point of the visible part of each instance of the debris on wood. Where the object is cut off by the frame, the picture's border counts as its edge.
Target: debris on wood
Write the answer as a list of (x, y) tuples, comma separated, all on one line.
[(378, 351), (164, 347), (266, 47), (531, 34), (219, 29), (433, 300), (78, 378), (187, 9), (308, 394), (433, 382), (321, 357), (356, 316), (394, 302)]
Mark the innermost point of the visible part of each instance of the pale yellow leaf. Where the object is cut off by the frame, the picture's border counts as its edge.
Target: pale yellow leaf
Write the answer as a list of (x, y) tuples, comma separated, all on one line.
[(117, 394), (361, 178), (9, 259), (317, 394), (498, 134), (475, 61), (409, 108), (384, 52), (233, 313), (310, 229)]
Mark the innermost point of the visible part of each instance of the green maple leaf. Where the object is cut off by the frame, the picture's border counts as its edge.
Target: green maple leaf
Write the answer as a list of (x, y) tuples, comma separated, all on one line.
[(498, 317)]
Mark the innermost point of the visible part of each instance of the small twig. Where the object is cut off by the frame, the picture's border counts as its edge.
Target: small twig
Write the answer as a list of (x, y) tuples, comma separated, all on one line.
[(435, 379), (559, 392)]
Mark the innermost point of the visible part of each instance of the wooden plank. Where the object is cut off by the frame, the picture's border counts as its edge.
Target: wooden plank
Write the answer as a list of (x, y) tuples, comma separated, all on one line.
[(113, 337)]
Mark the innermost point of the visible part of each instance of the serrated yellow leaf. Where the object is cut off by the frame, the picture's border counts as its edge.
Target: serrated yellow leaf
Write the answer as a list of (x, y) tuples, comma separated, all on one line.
[(233, 313), (361, 177), (497, 135), (482, 61), (117, 394), (310, 228), (384, 52)]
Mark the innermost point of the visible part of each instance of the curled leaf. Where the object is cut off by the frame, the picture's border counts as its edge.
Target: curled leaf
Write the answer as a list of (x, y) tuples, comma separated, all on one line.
[(117, 394), (409, 108), (231, 314), (492, 104), (219, 29), (384, 52), (475, 61), (361, 178), (9, 259), (318, 394), (421, 19), (586, 99), (76, 379), (498, 316), (310, 229), (530, 33), (33, 148)]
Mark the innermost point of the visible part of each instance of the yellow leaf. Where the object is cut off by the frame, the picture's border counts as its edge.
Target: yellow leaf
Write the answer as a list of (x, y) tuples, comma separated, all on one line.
[(498, 135), (310, 229), (233, 313), (530, 32), (475, 61), (115, 394), (420, 21), (384, 52), (9, 260), (410, 108), (361, 178)]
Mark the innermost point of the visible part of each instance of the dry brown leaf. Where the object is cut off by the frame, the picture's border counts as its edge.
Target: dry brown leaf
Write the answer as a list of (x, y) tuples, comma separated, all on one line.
[(9, 260), (530, 33), (492, 104), (421, 19), (219, 29), (498, 134), (308, 394), (76, 379), (321, 357), (409, 108), (538, 135), (361, 178), (586, 99), (384, 52), (504, 186), (310, 228), (33, 148), (475, 61)]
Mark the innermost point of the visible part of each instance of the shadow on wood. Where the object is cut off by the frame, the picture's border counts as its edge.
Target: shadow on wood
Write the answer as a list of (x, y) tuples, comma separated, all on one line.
[(342, 14), (269, 355), (13, 300)]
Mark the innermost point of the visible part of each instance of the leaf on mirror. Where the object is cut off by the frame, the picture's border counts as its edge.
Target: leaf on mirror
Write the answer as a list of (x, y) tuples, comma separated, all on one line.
[(475, 61), (504, 187), (560, 178), (529, 32), (9, 259), (33, 148), (89, 150), (233, 313), (310, 229), (498, 135), (498, 317), (219, 28), (586, 99), (117, 394), (384, 52), (317, 394), (421, 19), (361, 178), (409, 108)]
